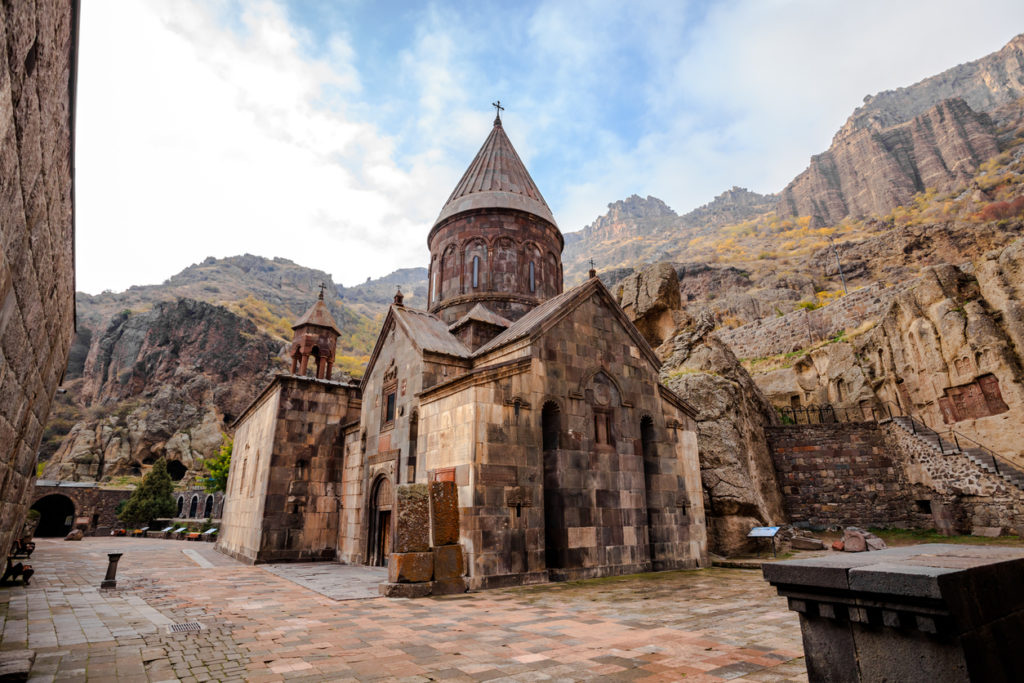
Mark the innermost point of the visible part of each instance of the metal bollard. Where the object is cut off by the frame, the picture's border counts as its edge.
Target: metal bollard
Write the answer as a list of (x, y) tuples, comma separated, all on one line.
[(109, 581)]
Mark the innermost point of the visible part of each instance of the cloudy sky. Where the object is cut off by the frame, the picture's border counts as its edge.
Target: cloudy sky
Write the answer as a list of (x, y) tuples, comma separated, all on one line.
[(331, 132)]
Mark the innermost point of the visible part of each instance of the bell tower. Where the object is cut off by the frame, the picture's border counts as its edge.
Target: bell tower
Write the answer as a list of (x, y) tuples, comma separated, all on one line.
[(315, 339), (495, 242)]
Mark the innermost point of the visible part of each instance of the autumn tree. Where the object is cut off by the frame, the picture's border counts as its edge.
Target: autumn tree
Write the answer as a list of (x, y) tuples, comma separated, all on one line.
[(217, 467)]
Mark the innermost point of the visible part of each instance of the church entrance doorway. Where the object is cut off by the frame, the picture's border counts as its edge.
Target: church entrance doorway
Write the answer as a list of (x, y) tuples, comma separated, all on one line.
[(379, 536), (56, 515), (555, 533)]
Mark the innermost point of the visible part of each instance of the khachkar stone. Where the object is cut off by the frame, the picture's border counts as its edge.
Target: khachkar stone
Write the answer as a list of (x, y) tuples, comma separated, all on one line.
[(931, 612), (412, 529), (449, 562), (444, 513)]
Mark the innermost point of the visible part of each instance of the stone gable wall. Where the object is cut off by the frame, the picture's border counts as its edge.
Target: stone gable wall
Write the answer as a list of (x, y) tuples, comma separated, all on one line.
[(36, 237)]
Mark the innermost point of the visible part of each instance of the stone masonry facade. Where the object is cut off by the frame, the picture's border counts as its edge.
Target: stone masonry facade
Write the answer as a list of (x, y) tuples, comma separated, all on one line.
[(39, 43)]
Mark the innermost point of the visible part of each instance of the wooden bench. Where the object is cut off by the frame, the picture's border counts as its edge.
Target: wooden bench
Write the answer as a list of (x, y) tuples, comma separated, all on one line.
[(140, 532), (193, 536), (22, 548)]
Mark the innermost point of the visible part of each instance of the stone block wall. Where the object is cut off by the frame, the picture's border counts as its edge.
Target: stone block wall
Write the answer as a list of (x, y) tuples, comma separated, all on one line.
[(871, 475), (303, 491), (38, 42), (842, 474), (802, 328)]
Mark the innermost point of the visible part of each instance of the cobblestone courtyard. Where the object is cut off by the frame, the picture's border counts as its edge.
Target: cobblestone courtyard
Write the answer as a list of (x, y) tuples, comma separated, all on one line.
[(317, 623)]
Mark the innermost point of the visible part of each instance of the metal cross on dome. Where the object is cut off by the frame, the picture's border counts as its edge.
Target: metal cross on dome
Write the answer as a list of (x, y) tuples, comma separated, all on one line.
[(322, 288), (497, 110)]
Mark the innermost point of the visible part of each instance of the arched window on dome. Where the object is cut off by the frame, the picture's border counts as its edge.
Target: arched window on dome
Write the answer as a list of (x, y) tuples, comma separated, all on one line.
[(533, 278), (475, 260)]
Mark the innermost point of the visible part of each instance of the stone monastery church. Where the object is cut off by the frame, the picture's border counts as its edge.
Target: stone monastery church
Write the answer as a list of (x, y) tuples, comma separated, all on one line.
[(536, 411)]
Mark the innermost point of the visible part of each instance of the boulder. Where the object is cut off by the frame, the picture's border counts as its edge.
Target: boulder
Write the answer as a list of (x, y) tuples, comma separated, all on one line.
[(649, 298), (75, 535), (805, 543), (737, 474)]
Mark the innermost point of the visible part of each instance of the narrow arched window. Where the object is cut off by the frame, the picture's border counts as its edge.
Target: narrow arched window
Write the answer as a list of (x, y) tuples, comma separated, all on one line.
[(476, 272), (533, 278), (550, 422)]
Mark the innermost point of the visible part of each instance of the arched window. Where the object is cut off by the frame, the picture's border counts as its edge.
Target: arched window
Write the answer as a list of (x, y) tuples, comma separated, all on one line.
[(533, 278), (550, 419), (476, 272), (193, 507), (208, 508), (181, 505)]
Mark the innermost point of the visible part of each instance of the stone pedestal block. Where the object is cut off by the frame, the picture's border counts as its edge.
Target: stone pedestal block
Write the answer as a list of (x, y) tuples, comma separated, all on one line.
[(448, 562), (444, 513), (404, 590), (412, 528), (933, 612), (448, 586), (410, 567)]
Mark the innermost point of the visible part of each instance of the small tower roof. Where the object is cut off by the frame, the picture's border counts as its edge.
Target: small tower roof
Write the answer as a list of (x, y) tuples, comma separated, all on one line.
[(497, 178), (318, 315)]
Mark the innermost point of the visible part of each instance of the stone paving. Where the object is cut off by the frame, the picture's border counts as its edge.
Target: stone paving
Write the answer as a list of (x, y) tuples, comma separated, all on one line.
[(281, 623)]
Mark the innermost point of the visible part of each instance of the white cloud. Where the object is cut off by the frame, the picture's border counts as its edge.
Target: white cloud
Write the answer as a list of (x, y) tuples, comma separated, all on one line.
[(195, 140), (205, 130)]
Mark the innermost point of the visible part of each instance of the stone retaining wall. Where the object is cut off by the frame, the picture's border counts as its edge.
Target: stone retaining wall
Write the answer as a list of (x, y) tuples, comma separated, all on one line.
[(870, 475), (843, 474), (802, 328)]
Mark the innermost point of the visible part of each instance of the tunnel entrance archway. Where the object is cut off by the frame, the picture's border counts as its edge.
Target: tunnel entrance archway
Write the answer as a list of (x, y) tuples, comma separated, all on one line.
[(56, 515)]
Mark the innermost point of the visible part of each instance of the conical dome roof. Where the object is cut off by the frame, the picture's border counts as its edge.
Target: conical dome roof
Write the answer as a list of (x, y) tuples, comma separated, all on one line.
[(497, 178), (318, 315)]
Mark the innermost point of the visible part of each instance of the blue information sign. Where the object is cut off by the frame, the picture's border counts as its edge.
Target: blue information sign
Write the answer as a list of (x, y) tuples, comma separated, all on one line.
[(763, 532)]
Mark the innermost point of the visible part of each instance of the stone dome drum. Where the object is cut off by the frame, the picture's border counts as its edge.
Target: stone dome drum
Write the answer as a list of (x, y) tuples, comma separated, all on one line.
[(495, 241)]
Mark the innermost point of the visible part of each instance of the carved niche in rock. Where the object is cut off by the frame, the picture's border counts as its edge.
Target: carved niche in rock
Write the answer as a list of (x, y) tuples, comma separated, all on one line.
[(980, 398)]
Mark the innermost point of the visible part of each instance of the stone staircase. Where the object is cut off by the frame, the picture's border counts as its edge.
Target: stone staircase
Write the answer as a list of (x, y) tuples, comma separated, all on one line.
[(981, 457)]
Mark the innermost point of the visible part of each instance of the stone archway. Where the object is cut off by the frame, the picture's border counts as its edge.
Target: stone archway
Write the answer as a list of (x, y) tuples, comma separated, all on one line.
[(57, 515), (379, 532)]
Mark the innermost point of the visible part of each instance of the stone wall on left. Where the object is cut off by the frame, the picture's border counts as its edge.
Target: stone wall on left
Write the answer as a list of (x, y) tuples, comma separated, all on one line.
[(37, 279)]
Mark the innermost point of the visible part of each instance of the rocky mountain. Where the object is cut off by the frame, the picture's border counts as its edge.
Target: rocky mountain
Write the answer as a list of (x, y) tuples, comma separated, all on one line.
[(933, 134), (162, 383), (870, 171), (637, 230), (983, 84)]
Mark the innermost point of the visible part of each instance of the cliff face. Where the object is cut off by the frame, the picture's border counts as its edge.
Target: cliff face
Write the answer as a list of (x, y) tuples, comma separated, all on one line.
[(945, 347), (740, 489), (983, 84), (732, 206), (871, 170), (637, 230), (628, 217), (162, 383)]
